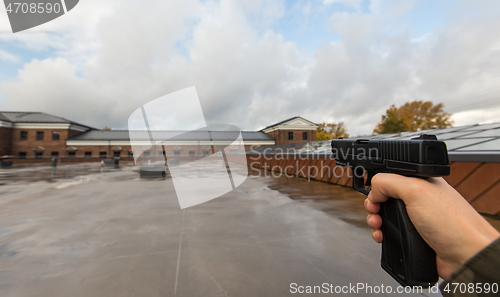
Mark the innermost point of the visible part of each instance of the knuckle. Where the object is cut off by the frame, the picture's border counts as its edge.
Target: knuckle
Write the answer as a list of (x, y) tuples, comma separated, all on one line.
[(376, 180)]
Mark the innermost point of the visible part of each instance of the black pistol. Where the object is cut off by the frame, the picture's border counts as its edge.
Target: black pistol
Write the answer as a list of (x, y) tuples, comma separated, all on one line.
[(405, 255)]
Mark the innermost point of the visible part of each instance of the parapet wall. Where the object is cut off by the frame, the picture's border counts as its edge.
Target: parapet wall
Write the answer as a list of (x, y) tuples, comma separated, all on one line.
[(478, 182)]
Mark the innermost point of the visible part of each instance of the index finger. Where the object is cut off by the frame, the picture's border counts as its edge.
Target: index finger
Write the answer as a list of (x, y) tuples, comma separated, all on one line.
[(388, 185)]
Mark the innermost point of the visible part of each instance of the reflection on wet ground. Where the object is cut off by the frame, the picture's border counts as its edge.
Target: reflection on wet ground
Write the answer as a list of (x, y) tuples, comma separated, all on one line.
[(341, 202), (27, 173)]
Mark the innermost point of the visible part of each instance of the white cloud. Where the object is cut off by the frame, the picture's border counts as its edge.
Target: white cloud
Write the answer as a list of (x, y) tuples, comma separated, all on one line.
[(6, 56), (471, 117), (356, 4)]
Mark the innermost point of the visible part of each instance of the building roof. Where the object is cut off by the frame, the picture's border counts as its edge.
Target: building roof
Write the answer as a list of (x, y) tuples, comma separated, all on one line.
[(101, 135), (35, 117), (3, 118), (287, 120), (123, 135), (485, 137)]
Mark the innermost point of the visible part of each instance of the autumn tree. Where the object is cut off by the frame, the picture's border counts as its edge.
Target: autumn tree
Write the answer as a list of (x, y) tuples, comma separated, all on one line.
[(391, 122), (327, 131), (413, 116)]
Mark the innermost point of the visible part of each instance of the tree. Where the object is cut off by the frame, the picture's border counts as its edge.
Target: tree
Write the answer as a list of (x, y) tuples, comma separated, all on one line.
[(391, 122), (106, 128), (327, 131), (413, 116)]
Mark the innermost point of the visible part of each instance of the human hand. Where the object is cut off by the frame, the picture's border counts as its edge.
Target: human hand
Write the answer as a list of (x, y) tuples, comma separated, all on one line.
[(444, 219)]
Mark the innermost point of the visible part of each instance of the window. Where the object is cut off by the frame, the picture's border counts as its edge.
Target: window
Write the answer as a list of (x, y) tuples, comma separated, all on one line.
[(38, 155), (55, 135), (22, 155), (290, 135), (177, 154), (88, 155), (102, 154), (39, 135), (206, 153), (23, 136), (146, 154), (54, 154), (191, 153), (304, 135), (71, 154), (116, 154)]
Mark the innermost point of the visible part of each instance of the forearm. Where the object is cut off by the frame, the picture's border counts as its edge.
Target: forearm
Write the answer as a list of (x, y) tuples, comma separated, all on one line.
[(480, 274)]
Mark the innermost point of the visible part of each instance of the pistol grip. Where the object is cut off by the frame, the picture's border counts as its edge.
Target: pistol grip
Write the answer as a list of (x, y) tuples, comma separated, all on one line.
[(405, 254)]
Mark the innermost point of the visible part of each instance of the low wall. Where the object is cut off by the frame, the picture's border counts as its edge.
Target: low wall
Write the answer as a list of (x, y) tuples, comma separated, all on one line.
[(181, 160), (63, 160), (478, 182)]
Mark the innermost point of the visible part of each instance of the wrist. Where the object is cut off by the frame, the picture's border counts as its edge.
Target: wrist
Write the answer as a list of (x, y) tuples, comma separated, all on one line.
[(480, 242)]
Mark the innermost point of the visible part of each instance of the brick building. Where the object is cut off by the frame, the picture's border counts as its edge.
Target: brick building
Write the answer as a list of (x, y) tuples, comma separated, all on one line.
[(116, 143), (37, 135), (293, 130)]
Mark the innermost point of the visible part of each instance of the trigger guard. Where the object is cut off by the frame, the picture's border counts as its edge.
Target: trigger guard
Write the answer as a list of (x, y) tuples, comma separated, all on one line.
[(358, 184)]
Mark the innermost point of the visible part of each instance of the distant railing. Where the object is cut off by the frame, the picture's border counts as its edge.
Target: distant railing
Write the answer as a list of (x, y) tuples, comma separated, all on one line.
[(152, 159)]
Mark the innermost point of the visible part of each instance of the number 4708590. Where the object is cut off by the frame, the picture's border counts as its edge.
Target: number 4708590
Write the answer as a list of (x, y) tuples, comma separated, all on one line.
[(471, 288), (33, 8)]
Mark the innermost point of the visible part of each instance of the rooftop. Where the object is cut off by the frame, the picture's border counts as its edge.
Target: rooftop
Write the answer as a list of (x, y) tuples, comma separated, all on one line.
[(287, 120), (484, 137), (174, 135), (112, 234), (34, 117)]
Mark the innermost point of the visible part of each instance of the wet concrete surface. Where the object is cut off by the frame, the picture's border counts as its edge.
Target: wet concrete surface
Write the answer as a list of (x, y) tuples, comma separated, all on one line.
[(26, 173), (113, 234), (346, 204)]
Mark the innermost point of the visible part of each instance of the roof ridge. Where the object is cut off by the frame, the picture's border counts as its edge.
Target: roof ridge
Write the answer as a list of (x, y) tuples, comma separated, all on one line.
[(287, 120), (126, 130), (20, 112)]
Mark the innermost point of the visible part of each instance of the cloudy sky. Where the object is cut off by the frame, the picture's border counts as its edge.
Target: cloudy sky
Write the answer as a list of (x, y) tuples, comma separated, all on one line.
[(258, 62)]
